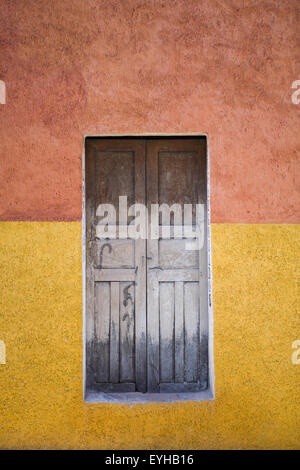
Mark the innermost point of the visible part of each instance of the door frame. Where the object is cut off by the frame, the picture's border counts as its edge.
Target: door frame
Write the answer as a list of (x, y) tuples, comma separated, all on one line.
[(137, 397)]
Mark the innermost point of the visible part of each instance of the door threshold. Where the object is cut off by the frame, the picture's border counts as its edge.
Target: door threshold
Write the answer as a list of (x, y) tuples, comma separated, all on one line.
[(137, 397)]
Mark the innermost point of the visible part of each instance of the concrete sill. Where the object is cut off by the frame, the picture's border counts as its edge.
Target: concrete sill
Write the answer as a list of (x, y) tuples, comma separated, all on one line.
[(133, 398)]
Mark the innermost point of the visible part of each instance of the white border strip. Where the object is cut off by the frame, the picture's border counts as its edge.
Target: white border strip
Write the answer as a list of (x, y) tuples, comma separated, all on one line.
[(211, 376), (211, 372)]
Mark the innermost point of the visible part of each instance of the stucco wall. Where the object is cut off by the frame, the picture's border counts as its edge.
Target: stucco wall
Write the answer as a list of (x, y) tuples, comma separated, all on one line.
[(257, 401), (77, 67)]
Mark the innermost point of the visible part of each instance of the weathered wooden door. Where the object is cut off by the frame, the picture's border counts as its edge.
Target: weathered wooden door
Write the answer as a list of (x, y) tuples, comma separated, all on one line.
[(176, 276), (116, 276), (146, 299)]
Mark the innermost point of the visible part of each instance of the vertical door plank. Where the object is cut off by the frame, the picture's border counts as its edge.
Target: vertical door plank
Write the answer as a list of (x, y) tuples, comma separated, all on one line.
[(102, 329), (191, 321), (127, 341), (114, 332), (153, 333), (141, 317), (203, 288), (179, 332), (166, 318), (152, 280), (140, 286)]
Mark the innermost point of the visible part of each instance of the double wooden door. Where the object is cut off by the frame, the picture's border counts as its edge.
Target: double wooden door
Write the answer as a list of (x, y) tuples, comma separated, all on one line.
[(146, 296)]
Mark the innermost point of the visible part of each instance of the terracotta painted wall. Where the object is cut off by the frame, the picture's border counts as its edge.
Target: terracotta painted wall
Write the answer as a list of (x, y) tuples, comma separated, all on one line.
[(78, 67)]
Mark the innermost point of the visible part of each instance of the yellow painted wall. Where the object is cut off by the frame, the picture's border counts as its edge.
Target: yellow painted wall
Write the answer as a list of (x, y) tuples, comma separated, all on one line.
[(257, 402)]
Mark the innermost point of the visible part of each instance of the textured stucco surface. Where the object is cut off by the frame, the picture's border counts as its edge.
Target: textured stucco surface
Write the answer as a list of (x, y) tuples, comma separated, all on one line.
[(77, 67), (257, 402)]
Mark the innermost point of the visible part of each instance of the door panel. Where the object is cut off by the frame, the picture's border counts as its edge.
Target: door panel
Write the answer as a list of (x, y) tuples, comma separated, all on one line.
[(173, 188), (177, 324), (114, 176), (173, 254), (116, 276), (115, 254)]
